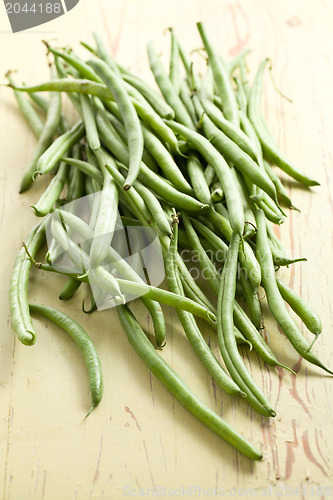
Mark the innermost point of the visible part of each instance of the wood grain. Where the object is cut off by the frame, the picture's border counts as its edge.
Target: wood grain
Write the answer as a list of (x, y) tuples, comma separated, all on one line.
[(140, 439)]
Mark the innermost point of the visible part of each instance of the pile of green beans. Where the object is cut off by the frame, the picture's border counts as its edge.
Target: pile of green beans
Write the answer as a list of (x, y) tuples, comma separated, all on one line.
[(196, 163)]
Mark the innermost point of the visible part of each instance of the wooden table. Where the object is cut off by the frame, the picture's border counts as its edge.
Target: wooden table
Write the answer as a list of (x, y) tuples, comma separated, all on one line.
[(139, 441)]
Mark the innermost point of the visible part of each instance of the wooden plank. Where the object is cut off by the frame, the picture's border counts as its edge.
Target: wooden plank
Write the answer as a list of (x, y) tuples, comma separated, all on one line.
[(139, 439)]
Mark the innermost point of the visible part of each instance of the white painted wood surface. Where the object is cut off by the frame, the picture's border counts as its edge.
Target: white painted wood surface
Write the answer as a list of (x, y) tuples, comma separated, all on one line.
[(140, 441)]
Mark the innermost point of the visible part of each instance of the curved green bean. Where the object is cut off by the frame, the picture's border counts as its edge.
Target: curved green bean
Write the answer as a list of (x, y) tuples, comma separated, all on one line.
[(176, 386), (84, 343)]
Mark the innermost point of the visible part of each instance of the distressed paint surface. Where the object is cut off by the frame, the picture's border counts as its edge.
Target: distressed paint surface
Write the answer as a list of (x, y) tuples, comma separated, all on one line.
[(140, 439)]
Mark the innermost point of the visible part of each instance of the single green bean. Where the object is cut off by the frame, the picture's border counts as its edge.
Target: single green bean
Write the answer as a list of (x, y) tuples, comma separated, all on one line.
[(31, 116), (174, 70), (86, 168), (84, 343), (309, 317), (88, 116), (69, 289), (176, 386), (221, 79), (274, 298), (51, 124), (51, 194), (59, 148), (18, 294), (129, 115), (106, 219), (198, 179), (166, 87), (165, 161)]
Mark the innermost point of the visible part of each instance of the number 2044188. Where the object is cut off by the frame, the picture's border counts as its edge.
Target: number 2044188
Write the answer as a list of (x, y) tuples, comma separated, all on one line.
[(35, 8)]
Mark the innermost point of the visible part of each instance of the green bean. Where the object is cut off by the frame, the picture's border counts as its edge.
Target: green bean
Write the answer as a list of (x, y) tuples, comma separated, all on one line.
[(250, 332), (242, 161), (174, 70), (156, 313), (222, 170), (280, 189), (63, 75), (79, 64), (129, 115), (31, 116), (252, 301), (192, 75), (188, 291), (169, 193), (88, 116), (40, 100), (107, 215), (188, 280), (59, 148), (153, 120), (105, 281), (234, 63), (76, 185), (240, 339), (83, 229), (75, 191), (167, 298), (113, 124), (247, 258), (226, 338), (274, 298), (250, 220), (125, 270), (81, 260), (269, 210), (69, 289), (18, 295), (207, 267), (228, 128), (45, 139), (154, 207), (84, 343), (176, 386), (209, 174), (155, 100), (110, 123), (165, 161), (186, 98), (104, 54), (221, 79), (93, 305), (309, 317), (167, 88), (133, 198), (198, 179), (46, 202), (217, 193), (86, 168), (271, 151), (281, 259), (250, 132), (191, 329), (80, 86)]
